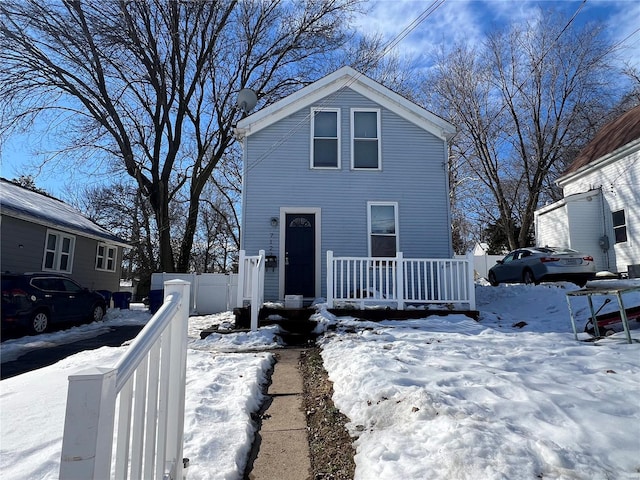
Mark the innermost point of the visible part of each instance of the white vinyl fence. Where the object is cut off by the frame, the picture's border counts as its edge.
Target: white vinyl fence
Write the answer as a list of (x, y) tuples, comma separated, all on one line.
[(210, 292), (143, 396), (482, 264), (398, 281)]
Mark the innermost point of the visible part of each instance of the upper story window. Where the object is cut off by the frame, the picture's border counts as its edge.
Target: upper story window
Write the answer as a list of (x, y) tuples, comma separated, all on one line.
[(383, 229), (325, 132), (58, 252), (365, 139), (619, 226), (106, 257)]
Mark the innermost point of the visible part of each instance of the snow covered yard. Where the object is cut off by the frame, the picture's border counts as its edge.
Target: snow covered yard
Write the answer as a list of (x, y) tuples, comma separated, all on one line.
[(440, 398), (223, 389), (451, 398)]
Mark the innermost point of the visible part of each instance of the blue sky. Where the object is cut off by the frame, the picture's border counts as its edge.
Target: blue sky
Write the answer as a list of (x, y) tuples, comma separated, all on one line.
[(454, 20)]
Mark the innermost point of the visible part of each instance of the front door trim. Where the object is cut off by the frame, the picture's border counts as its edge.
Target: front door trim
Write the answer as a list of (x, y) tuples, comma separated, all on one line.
[(316, 211)]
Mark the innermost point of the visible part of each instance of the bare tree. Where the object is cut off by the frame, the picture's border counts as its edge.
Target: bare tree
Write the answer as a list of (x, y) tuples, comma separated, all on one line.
[(217, 241), (124, 211), (523, 102), (152, 84)]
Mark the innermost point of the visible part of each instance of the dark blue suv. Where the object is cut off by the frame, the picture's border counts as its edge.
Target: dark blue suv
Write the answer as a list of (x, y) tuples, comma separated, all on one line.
[(38, 300)]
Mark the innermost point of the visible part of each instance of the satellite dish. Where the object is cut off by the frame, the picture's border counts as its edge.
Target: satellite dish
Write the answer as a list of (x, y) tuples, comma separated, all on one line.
[(247, 99)]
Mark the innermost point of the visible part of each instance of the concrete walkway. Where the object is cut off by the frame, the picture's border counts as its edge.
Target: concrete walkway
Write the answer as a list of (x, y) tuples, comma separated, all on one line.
[(284, 448)]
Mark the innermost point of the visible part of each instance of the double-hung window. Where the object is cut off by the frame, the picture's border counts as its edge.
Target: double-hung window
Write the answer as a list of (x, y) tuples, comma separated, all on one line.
[(383, 229), (619, 226), (58, 252), (365, 139), (325, 141), (106, 257)]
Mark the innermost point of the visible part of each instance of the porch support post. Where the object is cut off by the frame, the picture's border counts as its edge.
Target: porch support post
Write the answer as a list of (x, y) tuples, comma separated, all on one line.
[(400, 279), (242, 271), (330, 279)]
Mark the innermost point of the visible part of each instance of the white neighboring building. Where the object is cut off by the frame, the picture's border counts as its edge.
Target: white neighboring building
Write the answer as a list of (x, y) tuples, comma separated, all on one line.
[(600, 211)]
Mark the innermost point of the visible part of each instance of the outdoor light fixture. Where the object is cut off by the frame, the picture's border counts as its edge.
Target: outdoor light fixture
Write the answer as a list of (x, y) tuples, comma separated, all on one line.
[(274, 221)]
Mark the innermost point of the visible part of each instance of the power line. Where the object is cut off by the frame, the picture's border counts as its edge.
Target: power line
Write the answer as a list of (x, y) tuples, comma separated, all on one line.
[(386, 50)]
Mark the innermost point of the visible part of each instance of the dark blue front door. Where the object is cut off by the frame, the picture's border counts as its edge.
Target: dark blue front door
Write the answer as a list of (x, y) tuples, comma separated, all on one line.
[(300, 249)]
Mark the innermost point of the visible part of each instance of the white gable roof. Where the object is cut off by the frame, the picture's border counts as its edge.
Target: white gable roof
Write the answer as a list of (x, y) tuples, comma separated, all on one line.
[(25, 204), (346, 77)]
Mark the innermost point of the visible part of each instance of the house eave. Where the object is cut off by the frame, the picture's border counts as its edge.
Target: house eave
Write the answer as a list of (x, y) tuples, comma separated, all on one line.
[(563, 201), (346, 77), (614, 156), (107, 238)]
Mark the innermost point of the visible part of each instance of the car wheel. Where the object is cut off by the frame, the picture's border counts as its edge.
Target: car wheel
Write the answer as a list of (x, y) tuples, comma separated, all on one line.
[(493, 280), (40, 322), (97, 314), (528, 278)]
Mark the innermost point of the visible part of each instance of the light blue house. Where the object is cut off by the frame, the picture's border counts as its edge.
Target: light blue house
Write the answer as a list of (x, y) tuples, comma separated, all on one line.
[(343, 165)]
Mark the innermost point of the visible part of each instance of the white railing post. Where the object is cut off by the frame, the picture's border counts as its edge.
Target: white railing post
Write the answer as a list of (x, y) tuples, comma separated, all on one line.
[(400, 279), (255, 292), (241, 278), (261, 267), (330, 279), (88, 426), (177, 376), (471, 281)]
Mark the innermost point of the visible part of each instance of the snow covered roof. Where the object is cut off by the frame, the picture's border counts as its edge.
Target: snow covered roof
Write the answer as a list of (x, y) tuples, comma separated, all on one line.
[(346, 77), (25, 204)]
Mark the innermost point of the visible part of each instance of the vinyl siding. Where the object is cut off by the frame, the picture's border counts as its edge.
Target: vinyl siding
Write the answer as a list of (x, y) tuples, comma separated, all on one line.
[(587, 227), (552, 228), (278, 174), (620, 183), (28, 257)]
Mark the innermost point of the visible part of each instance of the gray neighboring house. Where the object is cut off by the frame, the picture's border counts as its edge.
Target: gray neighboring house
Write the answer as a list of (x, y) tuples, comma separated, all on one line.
[(346, 165), (600, 211), (41, 233)]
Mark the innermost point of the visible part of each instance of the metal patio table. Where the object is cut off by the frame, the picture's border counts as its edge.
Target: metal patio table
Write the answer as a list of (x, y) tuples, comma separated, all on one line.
[(590, 292)]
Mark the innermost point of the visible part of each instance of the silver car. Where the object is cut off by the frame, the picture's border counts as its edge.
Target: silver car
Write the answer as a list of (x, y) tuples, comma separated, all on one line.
[(538, 264)]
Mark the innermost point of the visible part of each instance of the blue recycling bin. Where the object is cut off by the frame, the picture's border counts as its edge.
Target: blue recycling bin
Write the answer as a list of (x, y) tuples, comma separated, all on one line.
[(107, 296), (121, 300), (156, 297)]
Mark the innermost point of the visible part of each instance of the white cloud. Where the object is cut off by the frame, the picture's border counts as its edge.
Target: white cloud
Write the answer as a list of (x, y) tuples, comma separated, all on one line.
[(626, 31), (469, 20)]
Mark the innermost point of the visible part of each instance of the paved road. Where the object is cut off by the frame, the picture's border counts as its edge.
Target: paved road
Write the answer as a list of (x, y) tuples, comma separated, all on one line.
[(44, 357)]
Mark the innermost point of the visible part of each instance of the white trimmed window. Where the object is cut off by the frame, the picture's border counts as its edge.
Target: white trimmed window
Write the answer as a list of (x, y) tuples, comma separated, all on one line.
[(383, 228), (58, 252), (325, 138), (365, 139), (106, 257)]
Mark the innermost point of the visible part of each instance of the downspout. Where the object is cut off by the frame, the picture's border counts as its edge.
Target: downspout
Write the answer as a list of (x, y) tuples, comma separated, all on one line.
[(243, 187)]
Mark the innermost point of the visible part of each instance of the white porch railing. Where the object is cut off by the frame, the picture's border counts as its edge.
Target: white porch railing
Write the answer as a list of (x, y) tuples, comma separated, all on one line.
[(398, 280), (149, 384), (251, 284)]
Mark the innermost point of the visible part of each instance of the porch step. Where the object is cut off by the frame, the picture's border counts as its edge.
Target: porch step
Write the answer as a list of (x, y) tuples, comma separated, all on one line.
[(296, 328), (287, 318)]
